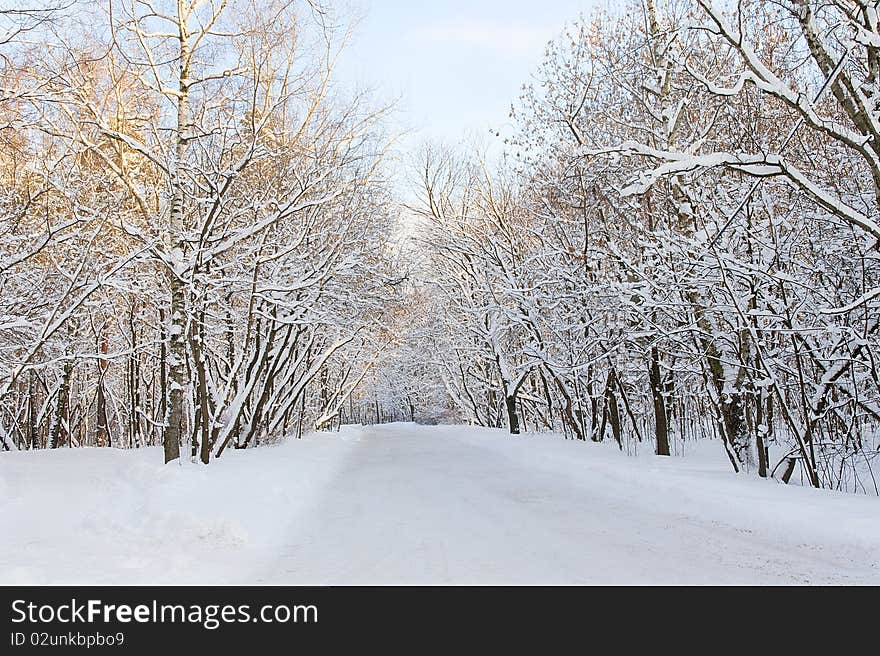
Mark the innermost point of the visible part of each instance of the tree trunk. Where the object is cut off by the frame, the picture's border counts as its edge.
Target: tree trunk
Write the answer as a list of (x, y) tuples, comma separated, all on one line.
[(61, 407), (176, 372), (613, 408), (177, 337), (661, 426), (33, 439), (512, 416), (102, 431), (761, 431), (594, 410), (570, 419)]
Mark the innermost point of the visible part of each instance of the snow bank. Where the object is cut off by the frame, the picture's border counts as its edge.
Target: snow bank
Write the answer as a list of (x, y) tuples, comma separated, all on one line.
[(106, 516)]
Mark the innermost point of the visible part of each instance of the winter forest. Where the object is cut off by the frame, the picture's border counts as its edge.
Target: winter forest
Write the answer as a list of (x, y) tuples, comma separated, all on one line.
[(204, 248)]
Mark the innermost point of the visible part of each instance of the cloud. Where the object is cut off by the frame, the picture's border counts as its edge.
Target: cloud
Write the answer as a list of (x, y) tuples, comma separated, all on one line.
[(503, 39)]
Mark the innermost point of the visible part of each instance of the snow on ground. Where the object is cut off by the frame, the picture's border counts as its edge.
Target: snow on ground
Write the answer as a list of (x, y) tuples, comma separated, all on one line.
[(408, 504)]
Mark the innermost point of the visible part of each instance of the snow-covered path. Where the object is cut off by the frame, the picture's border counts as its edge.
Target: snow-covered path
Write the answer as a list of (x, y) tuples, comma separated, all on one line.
[(455, 508), (408, 504)]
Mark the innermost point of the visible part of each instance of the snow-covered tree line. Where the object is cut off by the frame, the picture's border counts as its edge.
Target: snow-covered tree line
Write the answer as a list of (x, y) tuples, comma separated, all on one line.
[(197, 241), (194, 225), (681, 242)]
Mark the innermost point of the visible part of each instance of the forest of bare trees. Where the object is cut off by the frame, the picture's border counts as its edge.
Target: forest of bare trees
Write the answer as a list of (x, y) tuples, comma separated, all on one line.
[(681, 242), (194, 226), (200, 247)]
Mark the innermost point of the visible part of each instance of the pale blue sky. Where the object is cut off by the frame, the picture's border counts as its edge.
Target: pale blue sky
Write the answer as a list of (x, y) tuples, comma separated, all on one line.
[(456, 65)]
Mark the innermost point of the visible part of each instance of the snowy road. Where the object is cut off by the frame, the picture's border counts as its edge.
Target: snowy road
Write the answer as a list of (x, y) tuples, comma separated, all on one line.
[(421, 506), (407, 504)]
